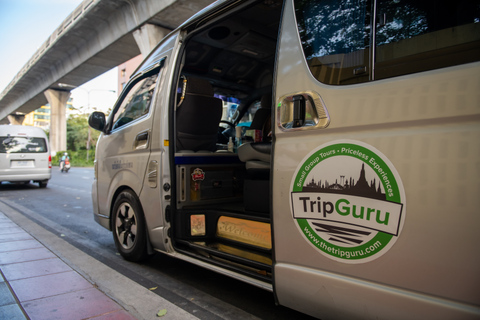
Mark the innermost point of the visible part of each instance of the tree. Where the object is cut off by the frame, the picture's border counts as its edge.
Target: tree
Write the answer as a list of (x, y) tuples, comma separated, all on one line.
[(77, 133)]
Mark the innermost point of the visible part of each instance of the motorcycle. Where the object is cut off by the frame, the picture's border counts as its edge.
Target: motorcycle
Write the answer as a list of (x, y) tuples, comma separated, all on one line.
[(65, 165)]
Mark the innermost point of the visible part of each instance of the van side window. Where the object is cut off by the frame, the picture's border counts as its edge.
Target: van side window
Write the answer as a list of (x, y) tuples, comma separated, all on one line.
[(335, 38), (410, 36), (136, 102), (414, 36)]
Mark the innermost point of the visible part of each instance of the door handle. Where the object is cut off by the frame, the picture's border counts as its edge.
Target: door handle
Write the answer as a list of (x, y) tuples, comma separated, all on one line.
[(299, 111), (141, 140), (302, 111)]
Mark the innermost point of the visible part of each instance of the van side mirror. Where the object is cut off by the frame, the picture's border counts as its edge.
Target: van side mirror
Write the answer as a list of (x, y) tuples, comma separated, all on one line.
[(97, 121)]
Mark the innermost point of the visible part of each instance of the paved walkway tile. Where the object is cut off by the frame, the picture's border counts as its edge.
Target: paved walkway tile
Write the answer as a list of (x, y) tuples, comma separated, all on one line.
[(15, 236), (6, 297), (81, 305), (49, 285), (11, 312), (5, 224), (14, 229), (8, 305), (23, 270), (25, 255), (20, 245)]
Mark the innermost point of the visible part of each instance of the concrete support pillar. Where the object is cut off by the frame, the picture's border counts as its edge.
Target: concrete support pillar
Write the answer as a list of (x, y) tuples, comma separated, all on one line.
[(58, 120), (16, 118), (148, 36)]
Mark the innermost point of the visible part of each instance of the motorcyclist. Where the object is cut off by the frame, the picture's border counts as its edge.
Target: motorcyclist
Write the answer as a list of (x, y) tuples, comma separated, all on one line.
[(62, 160)]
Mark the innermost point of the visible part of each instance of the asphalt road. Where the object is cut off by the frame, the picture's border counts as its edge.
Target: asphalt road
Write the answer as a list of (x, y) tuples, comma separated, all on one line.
[(65, 208)]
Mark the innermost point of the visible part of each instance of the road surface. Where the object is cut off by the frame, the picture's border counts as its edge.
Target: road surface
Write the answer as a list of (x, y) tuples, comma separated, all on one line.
[(65, 208)]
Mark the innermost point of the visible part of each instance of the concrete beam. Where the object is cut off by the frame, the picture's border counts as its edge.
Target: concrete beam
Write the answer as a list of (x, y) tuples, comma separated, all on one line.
[(58, 120), (16, 118), (95, 38), (148, 36)]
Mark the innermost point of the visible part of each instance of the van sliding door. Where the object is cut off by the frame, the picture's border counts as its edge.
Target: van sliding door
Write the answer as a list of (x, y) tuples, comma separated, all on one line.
[(369, 97)]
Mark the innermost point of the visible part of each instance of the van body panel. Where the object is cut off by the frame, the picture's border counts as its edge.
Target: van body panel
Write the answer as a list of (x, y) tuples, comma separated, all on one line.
[(154, 196), (132, 162), (25, 154), (160, 51), (104, 221), (95, 193), (14, 176), (344, 297), (120, 164), (430, 134)]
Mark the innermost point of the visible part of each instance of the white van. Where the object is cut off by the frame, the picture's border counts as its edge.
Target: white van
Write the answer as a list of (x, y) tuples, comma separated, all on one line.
[(328, 151), (24, 155)]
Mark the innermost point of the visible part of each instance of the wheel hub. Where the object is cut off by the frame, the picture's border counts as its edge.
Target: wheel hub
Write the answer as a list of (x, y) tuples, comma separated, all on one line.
[(126, 226)]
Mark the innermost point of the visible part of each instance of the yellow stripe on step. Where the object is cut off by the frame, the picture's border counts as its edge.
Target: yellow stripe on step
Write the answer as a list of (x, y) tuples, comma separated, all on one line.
[(246, 231)]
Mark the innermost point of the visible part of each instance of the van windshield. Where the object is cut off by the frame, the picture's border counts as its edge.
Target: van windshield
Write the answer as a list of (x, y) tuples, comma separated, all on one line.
[(22, 145)]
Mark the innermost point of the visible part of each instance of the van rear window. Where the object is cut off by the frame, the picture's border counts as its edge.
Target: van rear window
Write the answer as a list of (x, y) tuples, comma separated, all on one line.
[(22, 145)]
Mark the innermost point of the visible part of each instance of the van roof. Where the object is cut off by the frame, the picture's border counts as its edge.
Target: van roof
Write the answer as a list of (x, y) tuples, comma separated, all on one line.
[(21, 130), (205, 12)]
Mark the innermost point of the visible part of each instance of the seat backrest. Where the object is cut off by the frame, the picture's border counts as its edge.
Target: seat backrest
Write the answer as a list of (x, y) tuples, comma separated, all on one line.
[(256, 155), (262, 119), (198, 117)]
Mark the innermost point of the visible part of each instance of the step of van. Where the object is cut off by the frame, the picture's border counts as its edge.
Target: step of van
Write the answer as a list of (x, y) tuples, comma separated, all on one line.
[(253, 263)]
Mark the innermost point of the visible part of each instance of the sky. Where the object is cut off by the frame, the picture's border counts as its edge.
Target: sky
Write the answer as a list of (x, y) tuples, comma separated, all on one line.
[(24, 26)]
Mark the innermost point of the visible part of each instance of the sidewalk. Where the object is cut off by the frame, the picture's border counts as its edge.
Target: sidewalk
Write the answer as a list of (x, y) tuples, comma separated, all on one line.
[(36, 284), (43, 277)]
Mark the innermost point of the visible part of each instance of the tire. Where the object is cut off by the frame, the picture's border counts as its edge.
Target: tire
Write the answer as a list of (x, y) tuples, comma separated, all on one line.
[(128, 227), (43, 184)]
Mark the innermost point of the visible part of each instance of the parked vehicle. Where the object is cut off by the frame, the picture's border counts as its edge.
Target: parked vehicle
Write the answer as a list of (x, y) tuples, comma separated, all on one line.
[(354, 192), (24, 155)]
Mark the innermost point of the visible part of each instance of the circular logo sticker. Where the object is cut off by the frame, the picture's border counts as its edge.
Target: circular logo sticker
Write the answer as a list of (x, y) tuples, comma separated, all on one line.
[(348, 201)]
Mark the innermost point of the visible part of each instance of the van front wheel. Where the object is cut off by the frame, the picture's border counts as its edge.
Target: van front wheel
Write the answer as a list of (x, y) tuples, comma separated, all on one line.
[(129, 231)]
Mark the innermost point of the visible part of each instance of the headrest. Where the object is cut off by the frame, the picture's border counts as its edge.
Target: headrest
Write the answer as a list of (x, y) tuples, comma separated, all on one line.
[(263, 113), (260, 118), (199, 86), (266, 101)]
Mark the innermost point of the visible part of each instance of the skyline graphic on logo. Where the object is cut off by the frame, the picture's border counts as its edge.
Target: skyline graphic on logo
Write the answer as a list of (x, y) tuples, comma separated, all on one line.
[(348, 186)]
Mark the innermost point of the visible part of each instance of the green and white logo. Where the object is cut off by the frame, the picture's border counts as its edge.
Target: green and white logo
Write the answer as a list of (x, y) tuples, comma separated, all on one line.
[(348, 201)]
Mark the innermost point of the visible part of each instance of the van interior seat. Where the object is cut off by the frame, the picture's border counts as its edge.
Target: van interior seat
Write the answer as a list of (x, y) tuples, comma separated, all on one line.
[(262, 119), (198, 117), (256, 192), (256, 156)]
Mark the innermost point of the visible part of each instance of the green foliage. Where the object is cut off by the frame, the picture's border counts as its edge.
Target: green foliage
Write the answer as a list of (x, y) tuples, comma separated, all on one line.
[(77, 158), (78, 131), (77, 135)]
